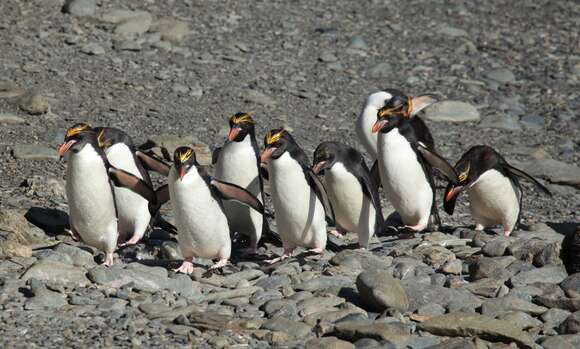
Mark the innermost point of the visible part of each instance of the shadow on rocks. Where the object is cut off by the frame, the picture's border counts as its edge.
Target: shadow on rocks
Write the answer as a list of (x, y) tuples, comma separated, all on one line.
[(570, 252), (50, 220)]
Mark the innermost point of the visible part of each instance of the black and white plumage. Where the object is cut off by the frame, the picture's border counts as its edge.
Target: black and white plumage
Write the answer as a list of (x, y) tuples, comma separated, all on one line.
[(493, 189), (354, 196), (395, 98), (91, 200), (405, 166), (299, 199), (237, 162)]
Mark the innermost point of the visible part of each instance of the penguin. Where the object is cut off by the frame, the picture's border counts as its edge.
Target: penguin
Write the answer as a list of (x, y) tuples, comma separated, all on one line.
[(132, 209), (394, 97), (298, 197), (202, 225), (237, 162), (493, 189), (406, 166), (90, 195), (353, 196)]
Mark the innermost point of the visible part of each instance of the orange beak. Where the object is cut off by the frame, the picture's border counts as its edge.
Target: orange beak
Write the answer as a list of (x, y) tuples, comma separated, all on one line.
[(181, 172), (453, 192), (267, 154), (378, 125), (233, 133), (63, 148), (318, 167)]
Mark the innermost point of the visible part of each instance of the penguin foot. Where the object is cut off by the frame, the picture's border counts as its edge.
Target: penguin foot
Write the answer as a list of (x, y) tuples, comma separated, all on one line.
[(108, 260), (73, 234), (317, 250), (337, 233), (248, 251), (278, 259), (132, 241), (478, 227), (417, 228), (220, 264), (185, 268)]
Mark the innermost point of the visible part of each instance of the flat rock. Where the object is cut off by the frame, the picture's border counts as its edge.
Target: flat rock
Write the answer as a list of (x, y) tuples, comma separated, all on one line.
[(171, 29), (464, 325), (359, 260), (501, 122), (572, 304), (571, 325), (495, 307), (569, 341), (354, 330), (274, 282), (434, 255), (80, 8), (553, 170), (501, 75), (496, 247), (423, 294), (451, 111), (549, 274), (571, 285), (380, 71), (491, 267), (78, 256), (48, 270), (46, 299), (34, 152), (136, 25), (257, 97), (555, 316), (116, 16), (34, 103), (520, 319), (324, 283), (293, 328), (328, 343), (380, 291), (11, 119)]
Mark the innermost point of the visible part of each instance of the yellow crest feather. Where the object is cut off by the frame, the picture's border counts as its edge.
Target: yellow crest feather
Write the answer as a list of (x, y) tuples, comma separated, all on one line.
[(76, 129), (183, 157), (274, 137)]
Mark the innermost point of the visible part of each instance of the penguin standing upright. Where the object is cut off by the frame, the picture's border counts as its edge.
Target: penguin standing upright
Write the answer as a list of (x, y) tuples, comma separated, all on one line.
[(132, 209), (405, 167), (493, 189), (354, 197), (238, 163), (202, 226), (393, 97), (299, 200), (91, 201)]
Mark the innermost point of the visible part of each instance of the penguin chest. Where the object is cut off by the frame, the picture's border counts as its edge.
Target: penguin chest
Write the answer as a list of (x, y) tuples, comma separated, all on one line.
[(90, 199), (300, 216), (238, 164), (403, 178), (132, 208), (352, 209), (494, 199), (202, 226), (364, 126)]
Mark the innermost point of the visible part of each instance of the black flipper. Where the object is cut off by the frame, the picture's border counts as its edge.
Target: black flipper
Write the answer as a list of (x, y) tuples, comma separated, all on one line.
[(371, 190), (126, 180), (522, 174), (229, 191), (152, 163), (215, 155), (437, 162), (320, 192), (375, 175)]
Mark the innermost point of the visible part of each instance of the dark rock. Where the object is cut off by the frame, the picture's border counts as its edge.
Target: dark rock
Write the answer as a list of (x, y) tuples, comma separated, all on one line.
[(423, 294), (496, 247), (324, 283), (571, 325), (571, 285), (463, 325), (380, 291), (491, 267), (273, 282), (572, 304), (555, 316), (80, 8), (550, 274), (44, 298), (571, 251), (354, 330)]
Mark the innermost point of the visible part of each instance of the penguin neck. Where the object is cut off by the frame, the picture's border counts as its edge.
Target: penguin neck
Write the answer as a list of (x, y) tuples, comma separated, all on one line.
[(191, 177), (392, 139), (87, 156)]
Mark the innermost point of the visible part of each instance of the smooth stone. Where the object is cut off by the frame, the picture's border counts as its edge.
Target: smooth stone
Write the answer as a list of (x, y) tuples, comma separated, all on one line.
[(11, 119), (380, 71), (553, 170), (571, 325), (134, 26), (533, 122), (324, 283), (274, 282), (569, 341), (422, 294), (257, 97), (431, 310), (520, 319), (116, 16), (358, 43), (285, 308), (453, 267), (501, 122), (463, 324), (354, 330), (78, 256), (501, 75), (80, 8), (293, 328), (48, 270), (450, 31), (495, 267), (328, 57), (154, 308), (333, 316), (571, 285), (495, 307), (34, 103), (233, 279), (555, 316), (549, 274), (235, 293), (495, 247), (34, 152), (355, 261), (44, 298), (92, 49), (435, 255), (380, 291), (451, 111), (487, 287), (572, 304), (171, 29), (328, 343)]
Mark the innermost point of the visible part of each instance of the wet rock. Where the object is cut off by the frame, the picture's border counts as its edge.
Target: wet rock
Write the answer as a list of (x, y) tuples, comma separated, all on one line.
[(462, 324), (328, 343), (293, 328), (34, 103), (495, 307), (80, 8), (48, 270), (380, 291), (10, 119), (171, 29), (549, 274), (451, 111), (571, 325)]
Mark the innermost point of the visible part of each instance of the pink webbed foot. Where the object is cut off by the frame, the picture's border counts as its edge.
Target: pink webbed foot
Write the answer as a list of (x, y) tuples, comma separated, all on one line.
[(317, 250), (132, 241), (220, 264), (479, 227), (417, 228), (287, 254), (185, 268), (108, 260), (336, 233)]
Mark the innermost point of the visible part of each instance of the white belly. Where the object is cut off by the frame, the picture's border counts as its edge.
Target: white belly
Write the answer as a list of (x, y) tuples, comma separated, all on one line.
[(403, 178), (353, 210), (300, 216), (90, 200), (366, 119), (202, 227), (493, 199), (132, 208), (237, 164)]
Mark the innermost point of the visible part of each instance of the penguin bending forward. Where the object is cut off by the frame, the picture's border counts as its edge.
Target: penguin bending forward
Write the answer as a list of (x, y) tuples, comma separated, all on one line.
[(493, 189), (299, 199), (238, 163), (406, 169), (353, 195), (202, 226)]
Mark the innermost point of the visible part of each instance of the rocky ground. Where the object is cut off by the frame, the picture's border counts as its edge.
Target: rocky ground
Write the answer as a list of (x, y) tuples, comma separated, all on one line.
[(172, 72)]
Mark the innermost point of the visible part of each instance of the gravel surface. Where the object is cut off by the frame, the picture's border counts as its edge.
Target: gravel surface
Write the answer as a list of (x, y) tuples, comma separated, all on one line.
[(510, 75)]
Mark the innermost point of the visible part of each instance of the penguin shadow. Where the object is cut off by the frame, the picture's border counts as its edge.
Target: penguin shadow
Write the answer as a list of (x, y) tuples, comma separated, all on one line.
[(52, 221), (570, 251)]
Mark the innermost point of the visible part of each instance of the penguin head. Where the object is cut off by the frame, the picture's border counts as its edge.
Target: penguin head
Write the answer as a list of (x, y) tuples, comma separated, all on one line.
[(276, 143), (326, 155), (241, 124), (395, 113), (109, 136), (183, 160), (77, 136), (475, 162)]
